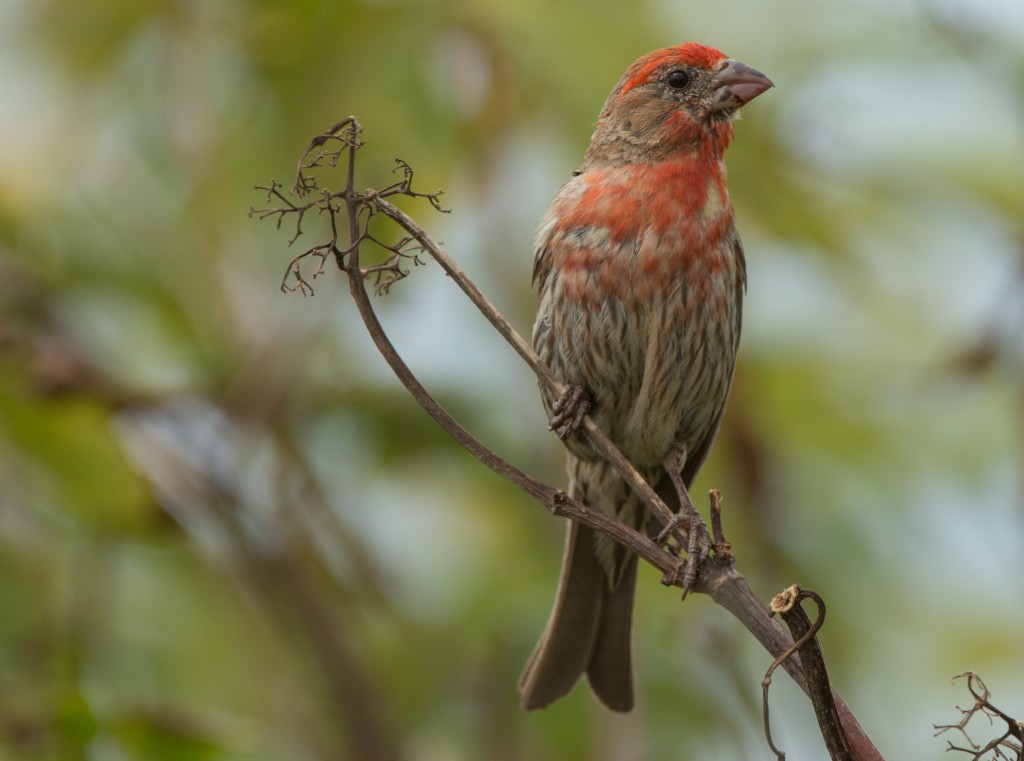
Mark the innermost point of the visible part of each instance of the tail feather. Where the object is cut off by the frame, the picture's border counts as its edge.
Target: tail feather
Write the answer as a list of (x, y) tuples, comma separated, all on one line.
[(588, 631), (610, 668), (590, 627)]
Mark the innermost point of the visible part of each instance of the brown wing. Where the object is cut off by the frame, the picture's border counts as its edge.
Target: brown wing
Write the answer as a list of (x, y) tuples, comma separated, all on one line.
[(695, 460)]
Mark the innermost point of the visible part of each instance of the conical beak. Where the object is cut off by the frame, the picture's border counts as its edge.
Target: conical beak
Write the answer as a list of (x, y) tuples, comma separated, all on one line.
[(736, 84)]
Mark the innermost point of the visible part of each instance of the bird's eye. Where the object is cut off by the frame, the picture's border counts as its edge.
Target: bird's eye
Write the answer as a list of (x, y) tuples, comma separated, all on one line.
[(678, 79)]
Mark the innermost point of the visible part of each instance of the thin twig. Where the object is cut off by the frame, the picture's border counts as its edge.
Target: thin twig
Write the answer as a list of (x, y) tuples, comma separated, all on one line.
[(597, 437), (1011, 740), (787, 604), (719, 579)]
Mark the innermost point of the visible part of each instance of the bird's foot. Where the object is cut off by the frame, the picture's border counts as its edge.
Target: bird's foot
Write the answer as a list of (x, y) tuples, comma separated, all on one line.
[(570, 409), (698, 547), (698, 540)]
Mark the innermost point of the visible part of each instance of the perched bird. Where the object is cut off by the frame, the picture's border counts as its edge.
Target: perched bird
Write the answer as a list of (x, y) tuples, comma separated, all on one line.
[(641, 277)]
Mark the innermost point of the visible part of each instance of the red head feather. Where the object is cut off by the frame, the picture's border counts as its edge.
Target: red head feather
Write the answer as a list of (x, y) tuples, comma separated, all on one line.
[(687, 54)]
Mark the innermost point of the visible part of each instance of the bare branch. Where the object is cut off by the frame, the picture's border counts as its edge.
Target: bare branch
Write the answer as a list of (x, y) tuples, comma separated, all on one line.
[(717, 578), (1009, 746), (597, 437), (343, 138), (404, 187), (787, 604), (274, 193)]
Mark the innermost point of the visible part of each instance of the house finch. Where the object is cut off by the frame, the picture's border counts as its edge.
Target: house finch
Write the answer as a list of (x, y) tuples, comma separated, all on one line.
[(641, 277)]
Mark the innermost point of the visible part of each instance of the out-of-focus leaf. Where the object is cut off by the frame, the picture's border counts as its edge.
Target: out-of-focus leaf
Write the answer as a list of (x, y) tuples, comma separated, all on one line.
[(67, 444)]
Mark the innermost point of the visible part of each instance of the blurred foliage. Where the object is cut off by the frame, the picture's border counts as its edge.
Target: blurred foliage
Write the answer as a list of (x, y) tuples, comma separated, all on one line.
[(226, 534)]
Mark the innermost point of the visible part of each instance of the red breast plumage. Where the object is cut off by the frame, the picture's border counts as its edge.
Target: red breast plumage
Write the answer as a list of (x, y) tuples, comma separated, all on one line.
[(641, 275)]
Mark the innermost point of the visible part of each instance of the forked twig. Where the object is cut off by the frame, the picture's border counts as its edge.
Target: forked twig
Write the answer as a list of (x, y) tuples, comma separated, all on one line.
[(819, 689), (1009, 746), (717, 578)]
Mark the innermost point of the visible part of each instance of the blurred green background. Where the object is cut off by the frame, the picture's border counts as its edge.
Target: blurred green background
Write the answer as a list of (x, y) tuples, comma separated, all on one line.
[(226, 533)]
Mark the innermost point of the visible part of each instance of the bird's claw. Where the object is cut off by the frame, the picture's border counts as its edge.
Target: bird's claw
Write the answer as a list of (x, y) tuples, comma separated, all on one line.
[(572, 406), (698, 547), (666, 533), (697, 551)]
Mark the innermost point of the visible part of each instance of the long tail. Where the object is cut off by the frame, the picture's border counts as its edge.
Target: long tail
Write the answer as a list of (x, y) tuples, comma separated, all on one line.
[(589, 631)]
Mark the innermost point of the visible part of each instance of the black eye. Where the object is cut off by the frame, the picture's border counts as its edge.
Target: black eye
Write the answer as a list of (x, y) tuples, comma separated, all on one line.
[(678, 79)]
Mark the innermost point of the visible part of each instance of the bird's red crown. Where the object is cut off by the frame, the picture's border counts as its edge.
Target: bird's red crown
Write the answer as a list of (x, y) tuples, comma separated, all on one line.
[(687, 54)]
